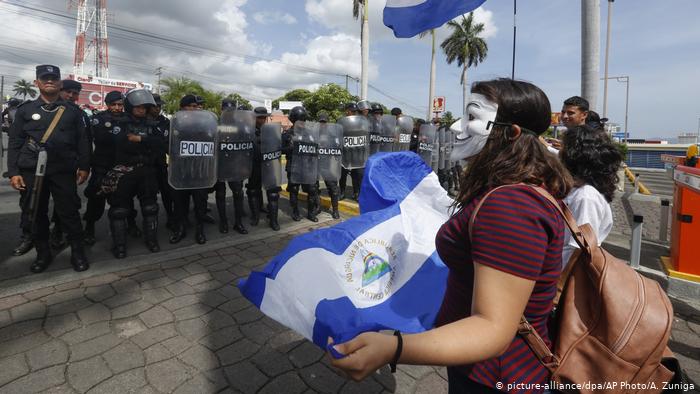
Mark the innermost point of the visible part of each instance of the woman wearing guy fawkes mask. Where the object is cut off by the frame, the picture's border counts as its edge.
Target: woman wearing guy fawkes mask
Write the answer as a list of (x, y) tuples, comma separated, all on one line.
[(139, 145), (503, 265)]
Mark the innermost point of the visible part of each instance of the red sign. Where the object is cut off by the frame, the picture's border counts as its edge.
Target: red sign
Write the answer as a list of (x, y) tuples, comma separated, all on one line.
[(95, 89), (439, 104)]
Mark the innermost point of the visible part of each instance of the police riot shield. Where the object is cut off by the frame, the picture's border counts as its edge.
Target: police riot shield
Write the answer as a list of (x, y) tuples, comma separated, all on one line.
[(404, 124), (304, 167), (355, 141), (441, 149), (375, 134), (236, 135), (330, 151), (426, 142), (193, 138), (449, 140), (388, 137), (435, 158), (271, 152)]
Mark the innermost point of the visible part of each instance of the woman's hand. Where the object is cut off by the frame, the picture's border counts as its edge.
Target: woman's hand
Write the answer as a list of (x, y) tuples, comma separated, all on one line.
[(365, 354)]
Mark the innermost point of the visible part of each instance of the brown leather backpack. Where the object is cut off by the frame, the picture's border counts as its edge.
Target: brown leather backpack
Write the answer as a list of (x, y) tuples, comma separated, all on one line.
[(610, 326)]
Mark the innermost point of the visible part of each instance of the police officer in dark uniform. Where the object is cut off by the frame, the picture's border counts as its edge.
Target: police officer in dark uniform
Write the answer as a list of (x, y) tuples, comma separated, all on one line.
[(237, 190), (331, 186), (254, 185), (297, 114), (181, 198), (68, 164), (350, 110), (105, 129), (166, 191), (139, 146)]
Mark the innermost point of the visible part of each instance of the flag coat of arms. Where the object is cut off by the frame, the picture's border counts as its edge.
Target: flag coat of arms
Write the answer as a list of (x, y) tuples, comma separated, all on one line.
[(376, 271)]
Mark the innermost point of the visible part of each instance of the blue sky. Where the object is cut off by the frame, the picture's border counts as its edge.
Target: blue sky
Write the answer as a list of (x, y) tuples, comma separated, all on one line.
[(657, 44)]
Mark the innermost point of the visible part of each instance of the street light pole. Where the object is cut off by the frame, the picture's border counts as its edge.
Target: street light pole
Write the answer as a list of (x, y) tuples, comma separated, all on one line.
[(625, 79), (607, 54)]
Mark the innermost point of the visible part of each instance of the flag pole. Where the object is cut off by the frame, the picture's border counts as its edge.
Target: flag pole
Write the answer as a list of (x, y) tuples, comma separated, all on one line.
[(515, 13)]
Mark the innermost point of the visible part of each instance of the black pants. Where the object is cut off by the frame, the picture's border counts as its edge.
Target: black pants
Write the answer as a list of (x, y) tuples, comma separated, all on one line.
[(63, 188), (181, 198), (356, 176), (166, 191), (254, 184), (141, 183), (95, 202)]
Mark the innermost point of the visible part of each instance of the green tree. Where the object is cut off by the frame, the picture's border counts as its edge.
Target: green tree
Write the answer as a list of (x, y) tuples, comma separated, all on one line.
[(292, 95), (466, 47), (175, 88), (329, 98), (24, 88), (447, 119)]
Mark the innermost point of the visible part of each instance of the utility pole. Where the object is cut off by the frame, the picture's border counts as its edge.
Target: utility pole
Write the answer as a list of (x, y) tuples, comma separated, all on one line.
[(607, 54), (346, 82), (159, 72), (2, 89), (365, 49), (590, 51)]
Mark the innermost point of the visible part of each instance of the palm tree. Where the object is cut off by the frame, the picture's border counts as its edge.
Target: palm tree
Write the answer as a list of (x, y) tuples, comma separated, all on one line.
[(364, 41), (24, 88), (175, 88), (431, 90), (467, 47)]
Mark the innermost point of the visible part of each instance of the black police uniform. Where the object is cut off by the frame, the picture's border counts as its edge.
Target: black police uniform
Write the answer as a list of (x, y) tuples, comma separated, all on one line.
[(254, 189), (166, 191), (137, 161), (293, 188), (67, 150)]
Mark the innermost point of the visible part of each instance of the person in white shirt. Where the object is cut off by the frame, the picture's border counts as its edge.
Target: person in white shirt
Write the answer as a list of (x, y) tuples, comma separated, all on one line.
[(593, 160)]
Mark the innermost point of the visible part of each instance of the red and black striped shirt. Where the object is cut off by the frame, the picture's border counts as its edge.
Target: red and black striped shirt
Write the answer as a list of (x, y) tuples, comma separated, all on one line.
[(518, 232)]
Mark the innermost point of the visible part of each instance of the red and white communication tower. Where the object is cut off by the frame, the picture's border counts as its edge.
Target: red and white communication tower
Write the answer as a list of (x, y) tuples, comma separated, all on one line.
[(91, 37)]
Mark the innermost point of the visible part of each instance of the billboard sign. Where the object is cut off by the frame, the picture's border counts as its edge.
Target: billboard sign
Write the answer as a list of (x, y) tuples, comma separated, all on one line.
[(95, 89), (439, 104)]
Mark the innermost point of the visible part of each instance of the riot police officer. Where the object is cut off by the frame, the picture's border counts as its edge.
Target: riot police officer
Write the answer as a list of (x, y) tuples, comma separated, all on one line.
[(181, 198), (237, 155), (105, 130), (54, 128), (139, 146), (297, 114), (330, 158), (350, 110), (265, 167), (166, 191)]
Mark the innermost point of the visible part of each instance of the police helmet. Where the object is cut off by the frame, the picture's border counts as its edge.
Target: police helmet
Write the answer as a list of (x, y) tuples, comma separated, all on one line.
[(396, 111), (352, 107), (363, 105), (228, 103), (297, 113), (377, 108), (136, 97)]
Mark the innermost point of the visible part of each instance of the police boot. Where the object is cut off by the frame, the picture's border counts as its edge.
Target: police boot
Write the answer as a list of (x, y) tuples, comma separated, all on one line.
[(25, 245), (272, 210), (263, 207), (199, 234), (43, 257), (119, 231), (334, 205), (77, 257), (254, 209), (150, 228), (89, 233), (311, 207), (57, 241), (317, 203), (132, 229), (294, 202), (238, 214), (223, 220), (178, 234)]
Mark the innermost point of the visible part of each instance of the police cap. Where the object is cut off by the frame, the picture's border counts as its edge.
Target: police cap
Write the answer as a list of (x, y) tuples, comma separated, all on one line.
[(69, 84), (46, 70), (323, 117), (114, 96), (261, 112), (188, 99)]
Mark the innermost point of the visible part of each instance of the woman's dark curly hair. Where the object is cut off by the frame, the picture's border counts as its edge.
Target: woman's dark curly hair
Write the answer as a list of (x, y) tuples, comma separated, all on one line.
[(592, 158)]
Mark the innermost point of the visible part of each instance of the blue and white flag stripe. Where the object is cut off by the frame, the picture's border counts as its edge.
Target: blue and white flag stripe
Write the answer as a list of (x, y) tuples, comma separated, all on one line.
[(375, 271), (408, 18)]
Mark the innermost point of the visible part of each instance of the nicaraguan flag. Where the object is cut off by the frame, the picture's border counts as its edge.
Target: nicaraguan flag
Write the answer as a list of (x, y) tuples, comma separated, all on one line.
[(410, 17), (372, 272)]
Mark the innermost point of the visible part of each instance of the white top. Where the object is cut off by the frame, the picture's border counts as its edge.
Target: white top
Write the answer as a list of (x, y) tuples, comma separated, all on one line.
[(588, 206)]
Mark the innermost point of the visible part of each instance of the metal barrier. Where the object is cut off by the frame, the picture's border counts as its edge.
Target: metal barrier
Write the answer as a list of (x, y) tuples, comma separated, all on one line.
[(638, 185), (663, 221), (636, 249)]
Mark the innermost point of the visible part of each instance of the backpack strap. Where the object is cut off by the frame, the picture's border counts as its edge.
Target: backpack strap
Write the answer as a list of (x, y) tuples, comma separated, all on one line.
[(525, 329)]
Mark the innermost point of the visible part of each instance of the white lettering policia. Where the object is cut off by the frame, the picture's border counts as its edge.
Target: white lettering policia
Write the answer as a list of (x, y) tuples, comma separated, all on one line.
[(196, 148)]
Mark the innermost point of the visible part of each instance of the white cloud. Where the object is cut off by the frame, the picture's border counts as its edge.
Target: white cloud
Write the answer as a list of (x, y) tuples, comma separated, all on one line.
[(271, 18)]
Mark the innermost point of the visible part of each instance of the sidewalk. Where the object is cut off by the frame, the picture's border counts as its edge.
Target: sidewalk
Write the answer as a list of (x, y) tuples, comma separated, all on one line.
[(178, 325)]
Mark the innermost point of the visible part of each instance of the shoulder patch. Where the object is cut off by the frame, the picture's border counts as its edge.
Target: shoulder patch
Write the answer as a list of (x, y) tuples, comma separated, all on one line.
[(95, 121)]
